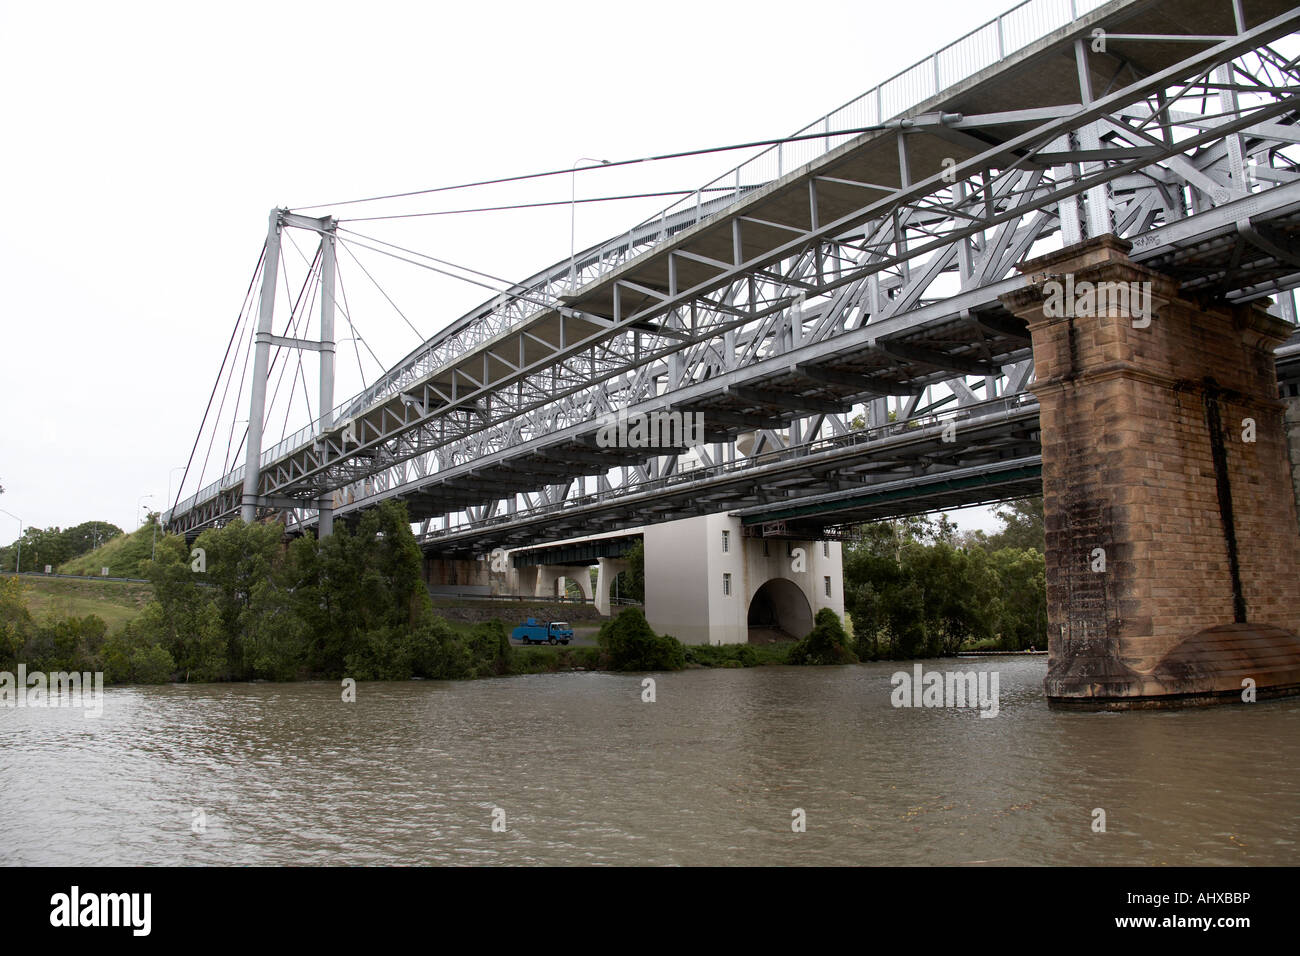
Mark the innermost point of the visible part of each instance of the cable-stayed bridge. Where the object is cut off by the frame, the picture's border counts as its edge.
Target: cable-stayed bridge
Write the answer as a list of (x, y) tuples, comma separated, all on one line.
[(828, 307)]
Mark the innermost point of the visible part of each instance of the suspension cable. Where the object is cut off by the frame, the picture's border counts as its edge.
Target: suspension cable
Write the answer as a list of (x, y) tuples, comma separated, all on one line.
[(220, 370), (825, 134)]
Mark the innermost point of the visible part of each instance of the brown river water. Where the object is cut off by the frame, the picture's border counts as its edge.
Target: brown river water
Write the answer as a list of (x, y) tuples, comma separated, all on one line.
[(581, 770)]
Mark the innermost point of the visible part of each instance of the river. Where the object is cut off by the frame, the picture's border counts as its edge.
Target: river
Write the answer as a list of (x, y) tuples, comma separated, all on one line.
[(582, 770)]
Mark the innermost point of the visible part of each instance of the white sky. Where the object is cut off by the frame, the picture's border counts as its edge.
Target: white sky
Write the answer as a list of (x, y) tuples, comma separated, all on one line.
[(144, 145)]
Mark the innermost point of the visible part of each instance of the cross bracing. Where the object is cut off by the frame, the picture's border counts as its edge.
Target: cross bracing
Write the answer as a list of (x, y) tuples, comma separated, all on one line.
[(861, 283)]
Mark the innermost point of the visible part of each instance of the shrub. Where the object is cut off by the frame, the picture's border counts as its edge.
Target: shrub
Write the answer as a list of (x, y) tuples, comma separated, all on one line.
[(736, 655), (489, 649), (630, 645), (131, 657), (826, 643)]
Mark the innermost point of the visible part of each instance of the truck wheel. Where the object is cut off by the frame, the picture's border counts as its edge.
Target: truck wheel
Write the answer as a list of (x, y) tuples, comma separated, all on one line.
[(552, 642), (564, 642)]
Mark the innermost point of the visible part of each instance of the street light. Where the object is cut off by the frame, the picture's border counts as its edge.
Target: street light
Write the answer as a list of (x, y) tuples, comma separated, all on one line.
[(138, 505), (573, 216), (18, 561)]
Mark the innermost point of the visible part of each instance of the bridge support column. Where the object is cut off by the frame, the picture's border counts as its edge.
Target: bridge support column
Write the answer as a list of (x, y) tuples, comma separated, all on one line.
[(325, 505), (548, 575), (1173, 550), (609, 570), (1293, 442), (261, 361)]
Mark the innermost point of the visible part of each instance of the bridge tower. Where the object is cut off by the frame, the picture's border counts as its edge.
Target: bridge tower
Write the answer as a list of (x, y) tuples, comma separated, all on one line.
[(324, 347), (1173, 548)]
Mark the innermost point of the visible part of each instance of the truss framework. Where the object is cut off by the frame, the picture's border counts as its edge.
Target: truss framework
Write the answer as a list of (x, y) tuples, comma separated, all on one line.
[(854, 282)]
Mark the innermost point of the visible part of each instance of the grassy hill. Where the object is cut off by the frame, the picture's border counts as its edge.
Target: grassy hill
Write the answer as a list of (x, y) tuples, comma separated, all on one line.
[(125, 556), (115, 601)]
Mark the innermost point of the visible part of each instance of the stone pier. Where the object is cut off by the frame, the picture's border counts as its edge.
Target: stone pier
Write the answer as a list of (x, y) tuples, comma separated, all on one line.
[(1173, 547)]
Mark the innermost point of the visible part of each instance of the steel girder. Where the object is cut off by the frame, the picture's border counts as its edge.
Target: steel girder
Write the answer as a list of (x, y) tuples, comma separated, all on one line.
[(852, 287)]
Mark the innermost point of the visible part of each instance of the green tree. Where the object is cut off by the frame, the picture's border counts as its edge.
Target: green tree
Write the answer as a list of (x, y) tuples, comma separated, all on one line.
[(16, 624), (42, 546), (490, 649), (131, 656), (87, 536), (1023, 526), (240, 562), (1022, 583), (632, 585), (911, 592), (630, 644), (184, 618), (826, 643), (370, 596)]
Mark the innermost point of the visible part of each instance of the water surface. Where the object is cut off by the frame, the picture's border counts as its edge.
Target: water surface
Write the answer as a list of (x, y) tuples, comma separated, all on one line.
[(587, 773)]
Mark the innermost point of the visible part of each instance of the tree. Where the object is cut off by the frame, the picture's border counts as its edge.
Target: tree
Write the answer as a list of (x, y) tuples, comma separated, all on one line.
[(42, 546), (183, 618), (16, 624), (240, 560), (1023, 526), (1022, 584), (630, 644), (632, 585), (912, 592), (826, 643), (88, 535)]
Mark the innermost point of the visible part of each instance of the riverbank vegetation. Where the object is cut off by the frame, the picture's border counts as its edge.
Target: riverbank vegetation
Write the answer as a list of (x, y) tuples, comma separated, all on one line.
[(258, 607), (826, 643), (916, 588)]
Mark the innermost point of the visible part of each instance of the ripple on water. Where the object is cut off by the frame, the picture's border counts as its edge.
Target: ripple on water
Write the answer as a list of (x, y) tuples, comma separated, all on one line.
[(587, 773)]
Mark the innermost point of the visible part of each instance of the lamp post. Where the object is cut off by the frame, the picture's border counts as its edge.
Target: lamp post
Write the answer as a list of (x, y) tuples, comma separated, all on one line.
[(18, 560), (138, 505), (573, 217)]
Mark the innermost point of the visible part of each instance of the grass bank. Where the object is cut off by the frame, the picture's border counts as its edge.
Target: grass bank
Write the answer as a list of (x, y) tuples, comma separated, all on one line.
[(116, 602), (126, 556)]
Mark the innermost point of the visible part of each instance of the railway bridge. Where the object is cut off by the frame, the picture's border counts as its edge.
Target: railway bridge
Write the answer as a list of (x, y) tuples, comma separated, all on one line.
[(1057, 255)]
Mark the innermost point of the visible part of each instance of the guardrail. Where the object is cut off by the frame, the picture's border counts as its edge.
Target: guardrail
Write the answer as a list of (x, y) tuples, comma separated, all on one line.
[(71, 577)]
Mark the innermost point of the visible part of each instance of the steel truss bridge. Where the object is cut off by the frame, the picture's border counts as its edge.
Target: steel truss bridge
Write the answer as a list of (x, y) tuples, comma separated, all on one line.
[(831, 307)]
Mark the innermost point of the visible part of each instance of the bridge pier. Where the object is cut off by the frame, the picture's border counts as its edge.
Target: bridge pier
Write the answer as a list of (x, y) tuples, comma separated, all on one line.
[(549, 575), (610, 568), (454, 577), (1173, 548), (1293, 443), (708, 583)]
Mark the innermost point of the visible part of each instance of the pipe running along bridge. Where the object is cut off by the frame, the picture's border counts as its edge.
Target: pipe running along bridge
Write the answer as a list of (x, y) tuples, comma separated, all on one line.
[(856, 316)]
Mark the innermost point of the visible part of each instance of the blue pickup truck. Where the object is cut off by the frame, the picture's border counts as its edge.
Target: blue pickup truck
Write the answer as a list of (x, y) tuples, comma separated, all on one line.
[(531, 632)]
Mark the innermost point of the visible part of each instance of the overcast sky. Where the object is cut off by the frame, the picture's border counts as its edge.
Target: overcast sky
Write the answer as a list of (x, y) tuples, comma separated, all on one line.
[(146, 143)]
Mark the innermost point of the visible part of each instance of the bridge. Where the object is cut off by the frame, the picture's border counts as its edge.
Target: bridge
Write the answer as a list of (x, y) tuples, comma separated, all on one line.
[(846, 316)]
